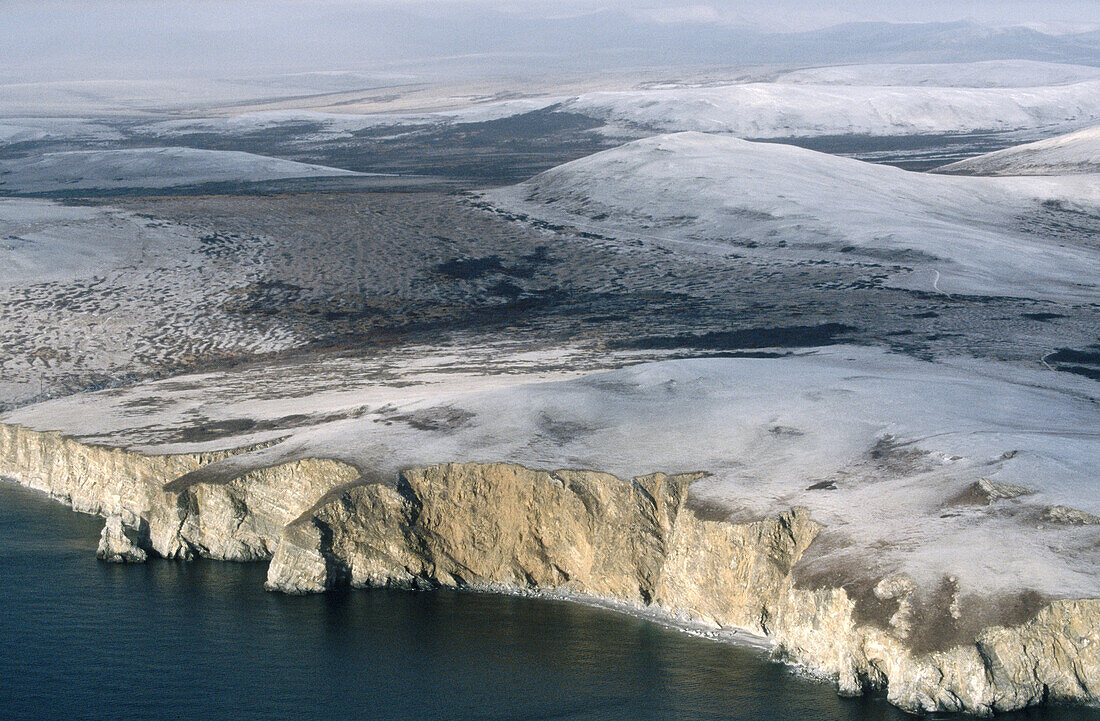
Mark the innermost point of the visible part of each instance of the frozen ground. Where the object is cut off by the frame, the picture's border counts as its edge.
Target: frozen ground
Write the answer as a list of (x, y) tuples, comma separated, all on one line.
[(342, 125), (715, 194), (884, 449), (777, 110), (917, 116), (1062, 155), (106, 294), (986, 74), (147, 168)]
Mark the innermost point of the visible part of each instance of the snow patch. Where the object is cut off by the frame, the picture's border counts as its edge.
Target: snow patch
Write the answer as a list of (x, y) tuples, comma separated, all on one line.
[(147, 168), (986, 74)]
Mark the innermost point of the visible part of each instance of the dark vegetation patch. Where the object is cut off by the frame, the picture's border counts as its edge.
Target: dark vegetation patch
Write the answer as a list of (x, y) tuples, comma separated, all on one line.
[(505, 289), (210, 430), (471, 268), (911, 152), (221, 245), (265, 297), (493, 152), (706, 509), (932, 621), (1069, 355), (1086, 371), (1079, 362), (797, 336), (744, 354), (984, 492), (147, 402), (1042, 317), (897, 457), (785, 432), (436, 418), (560, 432)]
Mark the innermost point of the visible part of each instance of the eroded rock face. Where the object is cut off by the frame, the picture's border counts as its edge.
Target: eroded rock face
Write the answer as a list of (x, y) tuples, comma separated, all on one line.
[(1069, 516), (231, 518), (639, 543), (121, 543), (478, 524)]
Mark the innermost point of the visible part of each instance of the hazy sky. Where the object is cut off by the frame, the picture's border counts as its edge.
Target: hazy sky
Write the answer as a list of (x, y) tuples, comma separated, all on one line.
[(77, 39)]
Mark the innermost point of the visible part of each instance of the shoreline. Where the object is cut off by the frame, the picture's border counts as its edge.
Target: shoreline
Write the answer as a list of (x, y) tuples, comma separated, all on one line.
[(632, 547)]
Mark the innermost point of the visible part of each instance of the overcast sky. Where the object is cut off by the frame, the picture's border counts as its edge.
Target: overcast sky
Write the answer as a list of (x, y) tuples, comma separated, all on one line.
[(85, 39)]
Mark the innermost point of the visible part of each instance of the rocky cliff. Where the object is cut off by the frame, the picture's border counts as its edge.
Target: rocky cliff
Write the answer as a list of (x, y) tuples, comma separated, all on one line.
[(645, 543), (174, 506)]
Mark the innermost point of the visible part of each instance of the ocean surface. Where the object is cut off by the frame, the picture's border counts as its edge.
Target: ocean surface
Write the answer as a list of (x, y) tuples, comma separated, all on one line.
[(80, 639)]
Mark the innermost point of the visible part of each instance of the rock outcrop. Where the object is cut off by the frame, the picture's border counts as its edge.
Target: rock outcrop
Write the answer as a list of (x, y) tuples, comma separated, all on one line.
[(1069, 516), (170, 507), (640, 543), (644, 543), (121, 542)]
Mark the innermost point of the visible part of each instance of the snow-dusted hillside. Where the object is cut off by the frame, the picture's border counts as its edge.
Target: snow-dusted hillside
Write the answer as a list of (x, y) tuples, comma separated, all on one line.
[(716, 193), (987, 74), (330, 124), (31, 130), (775, 110), (884, 100), (1066, 154), (146, 168)]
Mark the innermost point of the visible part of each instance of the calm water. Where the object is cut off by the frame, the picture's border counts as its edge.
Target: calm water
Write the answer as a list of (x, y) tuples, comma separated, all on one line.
[(85, 640)]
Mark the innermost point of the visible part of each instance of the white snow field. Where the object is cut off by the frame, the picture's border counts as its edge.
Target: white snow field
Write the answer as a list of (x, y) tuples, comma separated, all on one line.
[(777, 110), (42, 241), (147, 168), (882, 448), (1062, 155), (884, 100), (29, 130), (335, 125), (715, 193), (137, 97), (985, 74), (1034, 98)]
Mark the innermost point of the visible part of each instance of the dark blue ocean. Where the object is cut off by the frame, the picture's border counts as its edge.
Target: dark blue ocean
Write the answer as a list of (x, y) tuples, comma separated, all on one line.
[(81, 639)]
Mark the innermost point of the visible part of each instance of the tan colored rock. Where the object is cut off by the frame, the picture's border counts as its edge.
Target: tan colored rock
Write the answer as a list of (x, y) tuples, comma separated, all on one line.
[(637, 543), (1069, 516), (121, 543), (181, 512)]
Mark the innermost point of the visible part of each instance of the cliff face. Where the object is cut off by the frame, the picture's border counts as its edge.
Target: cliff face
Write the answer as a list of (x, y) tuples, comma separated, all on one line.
[(640, 543), (151, 504)]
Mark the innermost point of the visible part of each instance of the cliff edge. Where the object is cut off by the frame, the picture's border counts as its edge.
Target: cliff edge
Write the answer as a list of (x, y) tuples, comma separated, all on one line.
[(644, 543)]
